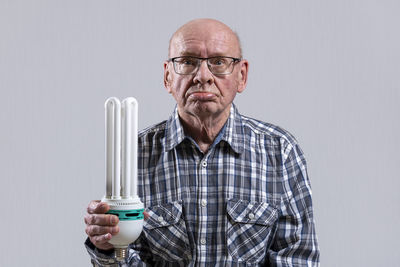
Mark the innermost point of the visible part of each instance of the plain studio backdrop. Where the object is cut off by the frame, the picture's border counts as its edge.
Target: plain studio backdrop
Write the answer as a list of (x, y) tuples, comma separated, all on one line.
[(326, 71)]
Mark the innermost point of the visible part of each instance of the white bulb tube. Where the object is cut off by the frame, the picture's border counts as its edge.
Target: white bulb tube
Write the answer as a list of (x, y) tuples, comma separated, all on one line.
[(129, 145), (135, 131), (132, 120), (109, 145), (113, 148), (126, 151), (117, 151)]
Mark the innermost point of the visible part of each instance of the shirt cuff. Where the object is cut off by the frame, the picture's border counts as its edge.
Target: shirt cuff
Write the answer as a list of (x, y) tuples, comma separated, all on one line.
[(105, 258), (99, 257)]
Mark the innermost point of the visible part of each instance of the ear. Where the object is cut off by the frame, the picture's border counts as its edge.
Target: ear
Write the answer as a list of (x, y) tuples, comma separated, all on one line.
[(167, 76), (242, 76)]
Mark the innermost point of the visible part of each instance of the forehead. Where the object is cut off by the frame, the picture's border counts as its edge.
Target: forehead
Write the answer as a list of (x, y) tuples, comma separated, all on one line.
[(204, 42)]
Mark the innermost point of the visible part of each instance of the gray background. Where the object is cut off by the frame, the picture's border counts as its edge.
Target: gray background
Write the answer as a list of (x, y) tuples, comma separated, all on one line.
[(326, 71)]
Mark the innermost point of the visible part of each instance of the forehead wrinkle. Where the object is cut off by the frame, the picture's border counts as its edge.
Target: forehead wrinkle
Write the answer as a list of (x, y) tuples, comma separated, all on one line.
[(220, 44)]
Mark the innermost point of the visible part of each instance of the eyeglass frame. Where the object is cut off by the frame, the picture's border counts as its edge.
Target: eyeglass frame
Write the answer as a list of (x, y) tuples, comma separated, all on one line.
[(235, 60)]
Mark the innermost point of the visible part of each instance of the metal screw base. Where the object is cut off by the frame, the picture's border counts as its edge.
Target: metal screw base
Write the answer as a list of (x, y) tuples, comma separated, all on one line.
[(120, 254)]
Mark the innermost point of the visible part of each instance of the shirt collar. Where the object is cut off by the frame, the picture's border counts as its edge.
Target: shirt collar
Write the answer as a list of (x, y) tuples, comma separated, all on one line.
[(232, 131), (234, 134), (175, 134)]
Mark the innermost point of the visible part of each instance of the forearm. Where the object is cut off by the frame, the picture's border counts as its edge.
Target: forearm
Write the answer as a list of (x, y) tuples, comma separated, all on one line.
[(295, 243), (106, 258)]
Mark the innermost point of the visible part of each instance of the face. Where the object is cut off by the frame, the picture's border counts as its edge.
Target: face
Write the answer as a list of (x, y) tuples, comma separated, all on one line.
[(204, 94)]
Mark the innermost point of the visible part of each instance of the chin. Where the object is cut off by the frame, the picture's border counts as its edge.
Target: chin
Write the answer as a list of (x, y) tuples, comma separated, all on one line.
[(204, 107)]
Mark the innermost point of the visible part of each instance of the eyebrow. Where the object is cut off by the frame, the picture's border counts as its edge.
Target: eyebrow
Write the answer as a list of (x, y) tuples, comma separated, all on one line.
[(188, 54)]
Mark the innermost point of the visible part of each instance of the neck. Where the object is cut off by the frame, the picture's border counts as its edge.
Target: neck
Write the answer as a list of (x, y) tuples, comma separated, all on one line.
[(203, 130)]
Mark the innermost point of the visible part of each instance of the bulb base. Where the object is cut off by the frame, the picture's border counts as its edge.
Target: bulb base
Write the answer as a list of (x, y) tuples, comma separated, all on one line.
[(121, 254)]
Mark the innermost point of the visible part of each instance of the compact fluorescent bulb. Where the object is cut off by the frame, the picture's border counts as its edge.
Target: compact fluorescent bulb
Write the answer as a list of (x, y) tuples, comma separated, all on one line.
[(121, 121)]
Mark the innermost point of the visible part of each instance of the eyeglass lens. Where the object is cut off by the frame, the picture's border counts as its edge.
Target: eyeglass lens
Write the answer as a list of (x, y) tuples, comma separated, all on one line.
[(217, 65)]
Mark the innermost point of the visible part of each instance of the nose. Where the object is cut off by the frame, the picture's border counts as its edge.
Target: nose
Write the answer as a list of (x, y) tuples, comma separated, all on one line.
[(203, 74)]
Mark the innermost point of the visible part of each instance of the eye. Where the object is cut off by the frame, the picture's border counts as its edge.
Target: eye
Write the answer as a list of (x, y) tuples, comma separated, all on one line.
[(218, 61), (187, 61)]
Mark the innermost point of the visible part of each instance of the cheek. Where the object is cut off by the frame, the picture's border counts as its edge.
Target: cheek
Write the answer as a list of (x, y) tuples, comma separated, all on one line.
[(227, 88), (180, 86)]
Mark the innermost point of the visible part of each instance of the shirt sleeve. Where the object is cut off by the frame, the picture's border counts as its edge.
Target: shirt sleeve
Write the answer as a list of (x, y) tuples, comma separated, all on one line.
[(106, 259), (295, 242)]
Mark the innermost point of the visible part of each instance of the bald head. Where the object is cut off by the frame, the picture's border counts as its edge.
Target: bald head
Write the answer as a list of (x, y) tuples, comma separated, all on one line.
[(206, 29)]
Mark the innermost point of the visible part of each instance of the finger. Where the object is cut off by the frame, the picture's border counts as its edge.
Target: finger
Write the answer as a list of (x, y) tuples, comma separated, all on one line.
[(101, 241), (146, 215), (98, 207), (101, 219), (95, 230), (92, 206)]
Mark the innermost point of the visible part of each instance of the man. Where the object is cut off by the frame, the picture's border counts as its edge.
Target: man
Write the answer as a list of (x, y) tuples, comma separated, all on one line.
[(220, 189)]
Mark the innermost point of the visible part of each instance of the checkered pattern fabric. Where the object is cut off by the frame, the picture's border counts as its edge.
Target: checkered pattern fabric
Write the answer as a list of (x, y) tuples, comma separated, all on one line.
[(245, 202)]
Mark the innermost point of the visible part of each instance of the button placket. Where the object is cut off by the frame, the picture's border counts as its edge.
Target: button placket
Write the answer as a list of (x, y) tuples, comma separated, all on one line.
[(202, 204)]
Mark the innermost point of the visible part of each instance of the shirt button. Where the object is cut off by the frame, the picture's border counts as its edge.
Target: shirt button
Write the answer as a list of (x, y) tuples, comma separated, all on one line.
[(204, 164), (203, 241), (160, 219), (251, 216), (204, 203)]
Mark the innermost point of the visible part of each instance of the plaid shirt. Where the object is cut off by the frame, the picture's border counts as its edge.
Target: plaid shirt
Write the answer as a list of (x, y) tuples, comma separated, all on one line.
[(246, 202)]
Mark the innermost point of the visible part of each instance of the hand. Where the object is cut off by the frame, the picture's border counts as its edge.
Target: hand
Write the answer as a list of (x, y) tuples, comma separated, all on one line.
[(100, 227)]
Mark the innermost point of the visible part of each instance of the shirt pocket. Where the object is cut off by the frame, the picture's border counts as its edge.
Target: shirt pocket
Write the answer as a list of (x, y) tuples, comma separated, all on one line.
[(165, 231), (249, 231)]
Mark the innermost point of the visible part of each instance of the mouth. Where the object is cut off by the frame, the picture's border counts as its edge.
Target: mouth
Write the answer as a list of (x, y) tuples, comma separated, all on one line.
[(202, 96)]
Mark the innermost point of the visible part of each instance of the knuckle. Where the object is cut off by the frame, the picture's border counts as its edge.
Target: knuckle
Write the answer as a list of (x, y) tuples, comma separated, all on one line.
[(89, 219), (93, 219), (89, 231), (92, 206), (92, 231), (86, 218), (95, 230), (99, 239), (89, 207)]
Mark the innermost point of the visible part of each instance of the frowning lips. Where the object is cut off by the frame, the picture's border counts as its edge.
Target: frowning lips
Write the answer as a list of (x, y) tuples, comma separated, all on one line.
[(202, 96)]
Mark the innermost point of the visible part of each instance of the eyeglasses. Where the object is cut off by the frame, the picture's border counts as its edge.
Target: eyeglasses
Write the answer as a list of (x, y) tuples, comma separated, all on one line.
[(217, 65)]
